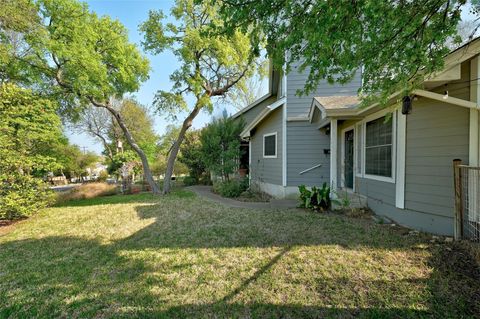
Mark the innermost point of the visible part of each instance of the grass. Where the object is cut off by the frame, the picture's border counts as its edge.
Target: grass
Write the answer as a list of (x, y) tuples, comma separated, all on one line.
[(179, 256), (87, 191)]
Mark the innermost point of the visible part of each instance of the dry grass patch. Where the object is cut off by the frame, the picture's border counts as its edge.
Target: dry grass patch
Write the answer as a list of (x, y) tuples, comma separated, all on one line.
[(87, 191)]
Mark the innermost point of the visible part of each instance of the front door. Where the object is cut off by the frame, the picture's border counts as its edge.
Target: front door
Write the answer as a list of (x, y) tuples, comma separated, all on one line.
[(348, 159)]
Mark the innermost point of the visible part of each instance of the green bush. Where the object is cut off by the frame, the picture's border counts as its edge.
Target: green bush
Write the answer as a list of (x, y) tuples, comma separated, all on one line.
[(22, 196), (102, 177), (190, 180), (205, 180), (317, 199), (231, 188)]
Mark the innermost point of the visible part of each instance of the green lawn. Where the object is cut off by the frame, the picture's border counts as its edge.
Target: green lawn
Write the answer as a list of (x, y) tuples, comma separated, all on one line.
[(183, 257)]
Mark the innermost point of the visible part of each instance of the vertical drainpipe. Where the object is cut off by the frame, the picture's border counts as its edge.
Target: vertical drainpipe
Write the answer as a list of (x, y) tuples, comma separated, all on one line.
[(284, 132)]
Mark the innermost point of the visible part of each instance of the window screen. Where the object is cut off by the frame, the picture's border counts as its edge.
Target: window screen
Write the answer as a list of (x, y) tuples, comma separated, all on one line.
[(378, 148), (270, 145)]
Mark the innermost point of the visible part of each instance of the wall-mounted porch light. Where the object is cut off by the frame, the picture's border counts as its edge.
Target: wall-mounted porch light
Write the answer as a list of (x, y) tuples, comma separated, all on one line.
[(406, 105)]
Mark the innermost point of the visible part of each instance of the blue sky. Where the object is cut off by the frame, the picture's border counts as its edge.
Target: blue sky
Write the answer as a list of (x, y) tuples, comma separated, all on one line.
[(132, 13)]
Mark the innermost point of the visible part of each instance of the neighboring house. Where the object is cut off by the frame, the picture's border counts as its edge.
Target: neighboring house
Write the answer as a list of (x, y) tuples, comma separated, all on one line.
[(399, 164)]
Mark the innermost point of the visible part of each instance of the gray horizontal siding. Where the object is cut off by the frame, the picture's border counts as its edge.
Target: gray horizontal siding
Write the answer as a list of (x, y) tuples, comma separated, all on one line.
[(437, 133), (251, 114), (418, 220), (382, 192), (381, 200), (300, 105), (267, 170), (305, 144)]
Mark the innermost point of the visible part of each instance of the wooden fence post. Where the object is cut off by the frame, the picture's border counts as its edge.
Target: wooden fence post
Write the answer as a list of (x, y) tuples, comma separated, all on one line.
[(458, 217)]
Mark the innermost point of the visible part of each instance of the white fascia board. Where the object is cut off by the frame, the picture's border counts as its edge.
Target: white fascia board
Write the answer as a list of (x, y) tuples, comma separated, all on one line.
[(446, 99), (252, 105), (400, 160), (246, 132)]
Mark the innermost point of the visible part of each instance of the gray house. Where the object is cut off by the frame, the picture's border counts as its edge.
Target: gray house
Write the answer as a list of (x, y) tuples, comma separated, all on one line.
[(398, 163)]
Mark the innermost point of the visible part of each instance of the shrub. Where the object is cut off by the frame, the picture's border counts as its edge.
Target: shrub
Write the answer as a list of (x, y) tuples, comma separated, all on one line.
[(317, 199), (230, 188), (189, 181), (87, 191), (22, 196), (102, 177), (220, 149)]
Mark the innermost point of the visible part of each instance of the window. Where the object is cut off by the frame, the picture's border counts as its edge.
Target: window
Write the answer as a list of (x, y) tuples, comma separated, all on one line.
[(270, 145), (378, 147)]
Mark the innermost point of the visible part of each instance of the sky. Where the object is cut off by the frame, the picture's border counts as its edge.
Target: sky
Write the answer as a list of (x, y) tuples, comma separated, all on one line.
[(132, 13)]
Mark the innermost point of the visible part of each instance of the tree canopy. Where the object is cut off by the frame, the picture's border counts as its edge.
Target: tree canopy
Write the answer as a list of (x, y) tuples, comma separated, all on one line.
[(220, 148), (29, 130), (80, 60), (140, 123), (211, 63), (394, 43)]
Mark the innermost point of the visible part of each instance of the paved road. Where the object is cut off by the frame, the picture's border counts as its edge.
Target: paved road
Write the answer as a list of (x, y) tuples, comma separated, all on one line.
[(64, 188)]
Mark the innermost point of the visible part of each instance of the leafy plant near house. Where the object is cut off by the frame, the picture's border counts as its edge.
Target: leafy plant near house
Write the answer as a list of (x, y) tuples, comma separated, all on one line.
[(317, 199), (220, 150), (231, 188)]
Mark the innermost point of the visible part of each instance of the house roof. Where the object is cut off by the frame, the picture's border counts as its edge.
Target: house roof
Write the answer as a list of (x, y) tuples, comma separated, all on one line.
[(252, 105), (334, 105), (338, 102), (350, 105), (260, 117)]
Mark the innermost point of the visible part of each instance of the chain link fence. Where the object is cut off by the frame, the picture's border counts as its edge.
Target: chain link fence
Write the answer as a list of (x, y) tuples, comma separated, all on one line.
[(467, 202)]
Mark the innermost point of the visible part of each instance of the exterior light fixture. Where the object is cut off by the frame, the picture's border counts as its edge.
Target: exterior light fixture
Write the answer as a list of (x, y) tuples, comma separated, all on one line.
[(406, 105)]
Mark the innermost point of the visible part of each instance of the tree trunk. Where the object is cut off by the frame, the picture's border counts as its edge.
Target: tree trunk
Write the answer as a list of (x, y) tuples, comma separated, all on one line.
[(187, 123), (146, 168)]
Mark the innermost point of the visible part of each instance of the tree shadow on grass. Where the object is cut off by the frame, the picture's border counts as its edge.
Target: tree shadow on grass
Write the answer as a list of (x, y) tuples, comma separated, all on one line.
[(159, 271), (72, 277), (216, 226)]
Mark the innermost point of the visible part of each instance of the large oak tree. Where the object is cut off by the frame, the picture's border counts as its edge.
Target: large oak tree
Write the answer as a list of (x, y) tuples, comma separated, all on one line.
[(78, 58), (211, 63)]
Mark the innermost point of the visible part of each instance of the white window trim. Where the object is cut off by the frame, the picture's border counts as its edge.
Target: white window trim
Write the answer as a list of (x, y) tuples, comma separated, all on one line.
[(276, 145), (333, 156), (342, 163), (359, 151), (249, 162), (370, 118)]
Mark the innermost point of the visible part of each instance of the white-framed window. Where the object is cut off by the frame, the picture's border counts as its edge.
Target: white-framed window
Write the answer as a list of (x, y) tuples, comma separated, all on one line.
[(379, 148), (270, 145)]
